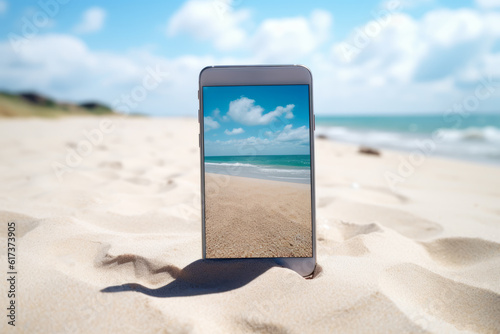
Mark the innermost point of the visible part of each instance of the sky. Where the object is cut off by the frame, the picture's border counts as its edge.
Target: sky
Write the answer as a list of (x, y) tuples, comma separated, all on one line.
[(248, 120), (367, 57)]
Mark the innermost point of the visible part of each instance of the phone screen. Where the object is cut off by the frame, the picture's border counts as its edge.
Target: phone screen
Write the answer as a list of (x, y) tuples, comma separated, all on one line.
[(257, 171)]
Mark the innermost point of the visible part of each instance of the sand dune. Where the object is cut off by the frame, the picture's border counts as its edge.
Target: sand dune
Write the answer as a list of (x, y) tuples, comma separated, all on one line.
[(115, 245), (464, 306)]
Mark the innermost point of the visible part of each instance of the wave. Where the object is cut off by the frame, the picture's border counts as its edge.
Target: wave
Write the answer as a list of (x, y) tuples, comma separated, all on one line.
[(487, 134), (277, 173), (358, 136), (231, 164), (472, 143), (284, 170), (261, 166)]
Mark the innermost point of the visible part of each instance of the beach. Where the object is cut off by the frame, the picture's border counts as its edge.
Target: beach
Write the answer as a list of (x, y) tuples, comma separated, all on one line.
[(108, 238), (251, 217)]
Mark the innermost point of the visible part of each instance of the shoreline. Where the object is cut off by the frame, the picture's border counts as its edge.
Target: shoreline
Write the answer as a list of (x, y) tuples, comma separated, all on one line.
[(280, 173), (455, 144), (285, 179)]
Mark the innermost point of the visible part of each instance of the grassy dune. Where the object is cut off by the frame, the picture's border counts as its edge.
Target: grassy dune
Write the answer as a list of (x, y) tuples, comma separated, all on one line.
[(35, 105)]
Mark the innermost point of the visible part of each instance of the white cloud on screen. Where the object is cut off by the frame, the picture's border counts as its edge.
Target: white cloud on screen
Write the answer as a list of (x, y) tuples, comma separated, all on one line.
[(250, 141), (235, 131), (210, 124), (289, 134), (244, 111)]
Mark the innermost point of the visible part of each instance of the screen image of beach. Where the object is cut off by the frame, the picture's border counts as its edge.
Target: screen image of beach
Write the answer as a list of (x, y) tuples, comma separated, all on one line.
[(257, 171)]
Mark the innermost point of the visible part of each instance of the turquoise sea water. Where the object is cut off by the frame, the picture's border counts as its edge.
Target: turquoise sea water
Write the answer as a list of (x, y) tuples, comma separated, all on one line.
[(469, 137), (285, 168)]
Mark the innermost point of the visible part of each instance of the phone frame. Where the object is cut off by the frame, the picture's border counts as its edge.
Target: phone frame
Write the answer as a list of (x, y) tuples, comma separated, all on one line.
[(251, 75)]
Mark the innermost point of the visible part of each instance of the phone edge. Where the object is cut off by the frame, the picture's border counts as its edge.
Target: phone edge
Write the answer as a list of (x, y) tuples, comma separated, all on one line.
[(288, 262)]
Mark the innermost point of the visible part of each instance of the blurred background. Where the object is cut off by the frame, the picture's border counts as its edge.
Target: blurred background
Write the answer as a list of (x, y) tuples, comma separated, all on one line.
[(403, 74)]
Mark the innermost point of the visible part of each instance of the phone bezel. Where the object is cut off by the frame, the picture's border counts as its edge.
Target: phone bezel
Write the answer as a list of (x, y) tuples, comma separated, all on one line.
[(261, 75)]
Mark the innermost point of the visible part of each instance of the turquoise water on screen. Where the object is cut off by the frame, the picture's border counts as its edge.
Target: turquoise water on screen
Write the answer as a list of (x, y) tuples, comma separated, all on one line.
[(284, 168)]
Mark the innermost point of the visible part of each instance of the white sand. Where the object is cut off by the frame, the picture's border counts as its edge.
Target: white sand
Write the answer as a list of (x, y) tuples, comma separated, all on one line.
[(127, 221)]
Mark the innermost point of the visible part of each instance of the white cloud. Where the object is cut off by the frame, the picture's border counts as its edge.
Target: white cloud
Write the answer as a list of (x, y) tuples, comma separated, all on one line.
[(40, 65), (289, 134), (79, 74), (214, 21), (488, 3), (235, 131), (3, 6), (285, 141), (92, 20), (411, 4), (273, 40), (210, 124), (409, 59), (289, 39), (441, 44), (244, 111), (447, 28), (250, 141)]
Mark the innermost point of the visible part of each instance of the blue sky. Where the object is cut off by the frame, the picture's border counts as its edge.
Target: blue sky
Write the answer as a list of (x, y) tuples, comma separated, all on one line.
[(263, 120), (367, 57)]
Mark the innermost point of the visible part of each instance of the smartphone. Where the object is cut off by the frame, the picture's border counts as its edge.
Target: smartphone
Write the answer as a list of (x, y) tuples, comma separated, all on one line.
[(257, 164)]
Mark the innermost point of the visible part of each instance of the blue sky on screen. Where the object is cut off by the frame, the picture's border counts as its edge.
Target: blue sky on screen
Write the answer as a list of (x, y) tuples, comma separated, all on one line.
[(367, 57), (263, 120)]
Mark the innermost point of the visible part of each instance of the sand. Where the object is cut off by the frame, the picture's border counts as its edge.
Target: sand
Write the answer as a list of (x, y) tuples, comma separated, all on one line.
[(114, 244), (249, 217)]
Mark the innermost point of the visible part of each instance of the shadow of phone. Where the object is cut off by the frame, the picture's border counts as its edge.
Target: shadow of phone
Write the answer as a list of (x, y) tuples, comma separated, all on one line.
[(203, 277)]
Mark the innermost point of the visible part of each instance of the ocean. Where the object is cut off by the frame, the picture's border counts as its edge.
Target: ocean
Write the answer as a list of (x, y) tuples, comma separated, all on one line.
[(285, 168), (473, 137)]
